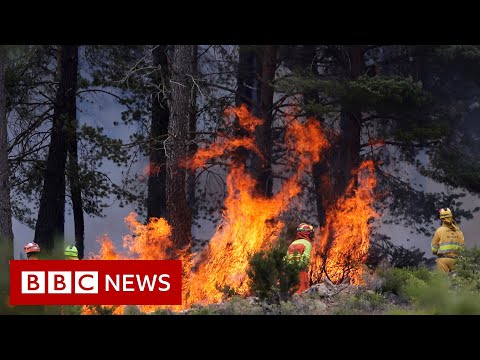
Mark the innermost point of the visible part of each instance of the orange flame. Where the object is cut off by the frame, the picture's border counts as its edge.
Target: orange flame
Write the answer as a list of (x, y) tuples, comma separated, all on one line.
[(246, 119), (375, 142), (252, 222), (151, 169), (348, 223), (146, 242), (224, 145), (218, 149)]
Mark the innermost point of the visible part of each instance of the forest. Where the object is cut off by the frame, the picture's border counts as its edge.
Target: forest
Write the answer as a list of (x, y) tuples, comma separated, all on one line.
[(248, 140)]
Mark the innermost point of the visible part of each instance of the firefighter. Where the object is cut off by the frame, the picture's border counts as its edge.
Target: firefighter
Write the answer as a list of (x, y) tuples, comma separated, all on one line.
[(448, 242), (71, 252), (299, 252), (32, 250)]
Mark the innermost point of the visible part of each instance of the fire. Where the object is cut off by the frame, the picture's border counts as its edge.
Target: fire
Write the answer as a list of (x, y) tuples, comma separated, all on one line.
[(252, 222), (348, 223), (376, 142), (152, 169), (225, 145), (245, 117), (220, 148), (147, 242), (249, 224)]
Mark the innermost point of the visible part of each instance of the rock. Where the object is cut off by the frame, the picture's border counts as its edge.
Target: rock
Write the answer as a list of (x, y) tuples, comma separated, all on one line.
[(253, 300), (327, 289), (320, 289)]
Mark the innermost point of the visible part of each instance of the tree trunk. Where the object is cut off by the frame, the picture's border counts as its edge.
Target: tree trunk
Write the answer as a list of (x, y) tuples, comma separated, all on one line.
[(156, 199), (192, 126), (350, 126), (323, 196), (49, 229), (6, 232), (178, 213), (73, 178), (248, 91), (262, 168)]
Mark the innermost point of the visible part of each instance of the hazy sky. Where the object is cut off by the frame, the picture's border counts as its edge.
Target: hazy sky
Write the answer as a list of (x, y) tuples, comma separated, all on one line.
[(103, 113)]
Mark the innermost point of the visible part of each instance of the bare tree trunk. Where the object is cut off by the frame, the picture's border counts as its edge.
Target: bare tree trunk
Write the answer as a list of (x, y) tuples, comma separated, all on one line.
[(350, 125), (6, 232), (192, 126), (248, 91), (262, 168), (323, 197), (50, 224), (75, 187), (156, 199), (178, 213)]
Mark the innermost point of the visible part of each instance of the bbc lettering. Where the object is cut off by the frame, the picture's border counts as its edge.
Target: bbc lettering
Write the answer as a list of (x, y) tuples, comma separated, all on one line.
[(83, 282), (96, 282), (142, 284), (60, 282)]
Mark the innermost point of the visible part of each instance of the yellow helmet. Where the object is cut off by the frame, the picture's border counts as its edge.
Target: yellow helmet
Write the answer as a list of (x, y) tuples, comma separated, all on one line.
[(445, 213), (71, 251)]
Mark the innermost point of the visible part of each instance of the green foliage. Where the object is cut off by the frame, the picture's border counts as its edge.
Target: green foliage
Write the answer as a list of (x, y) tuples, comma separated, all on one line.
[(463, 58), (303, 305), (163, 312), (239, 306), (227, 291), (132, 310), (102, 310), (384, 94), (434, 292), (438, 297), (72, 310), (271, 278), (6, 254), (363, 302), (395, 279), (467, 270), (204, 310), (455, 167)]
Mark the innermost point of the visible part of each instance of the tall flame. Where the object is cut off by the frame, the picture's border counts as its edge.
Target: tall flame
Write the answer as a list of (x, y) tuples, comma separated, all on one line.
[(348, 224), (251, 222), (146, 242)]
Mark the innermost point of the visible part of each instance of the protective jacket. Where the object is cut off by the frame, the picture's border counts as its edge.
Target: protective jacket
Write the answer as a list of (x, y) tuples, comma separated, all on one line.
[(448, 242), (299, 251)]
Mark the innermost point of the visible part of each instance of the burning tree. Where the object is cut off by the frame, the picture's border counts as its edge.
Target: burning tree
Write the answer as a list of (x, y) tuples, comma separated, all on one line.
[(252, 222)]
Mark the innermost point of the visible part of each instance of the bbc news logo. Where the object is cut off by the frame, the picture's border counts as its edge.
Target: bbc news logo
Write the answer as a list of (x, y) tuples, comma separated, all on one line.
[(96, 282), (59, 282)]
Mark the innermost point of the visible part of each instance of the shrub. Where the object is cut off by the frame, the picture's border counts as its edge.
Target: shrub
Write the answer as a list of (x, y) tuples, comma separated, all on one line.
[(467, 270), (362, 302), (394, 280), (271, 278)]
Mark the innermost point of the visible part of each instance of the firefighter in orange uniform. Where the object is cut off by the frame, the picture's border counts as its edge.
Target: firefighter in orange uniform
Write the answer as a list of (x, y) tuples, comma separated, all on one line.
[(299, 252), (448, 242)]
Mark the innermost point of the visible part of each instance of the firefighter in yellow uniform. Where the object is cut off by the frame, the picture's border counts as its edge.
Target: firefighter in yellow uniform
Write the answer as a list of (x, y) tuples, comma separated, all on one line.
[(448, 242)]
